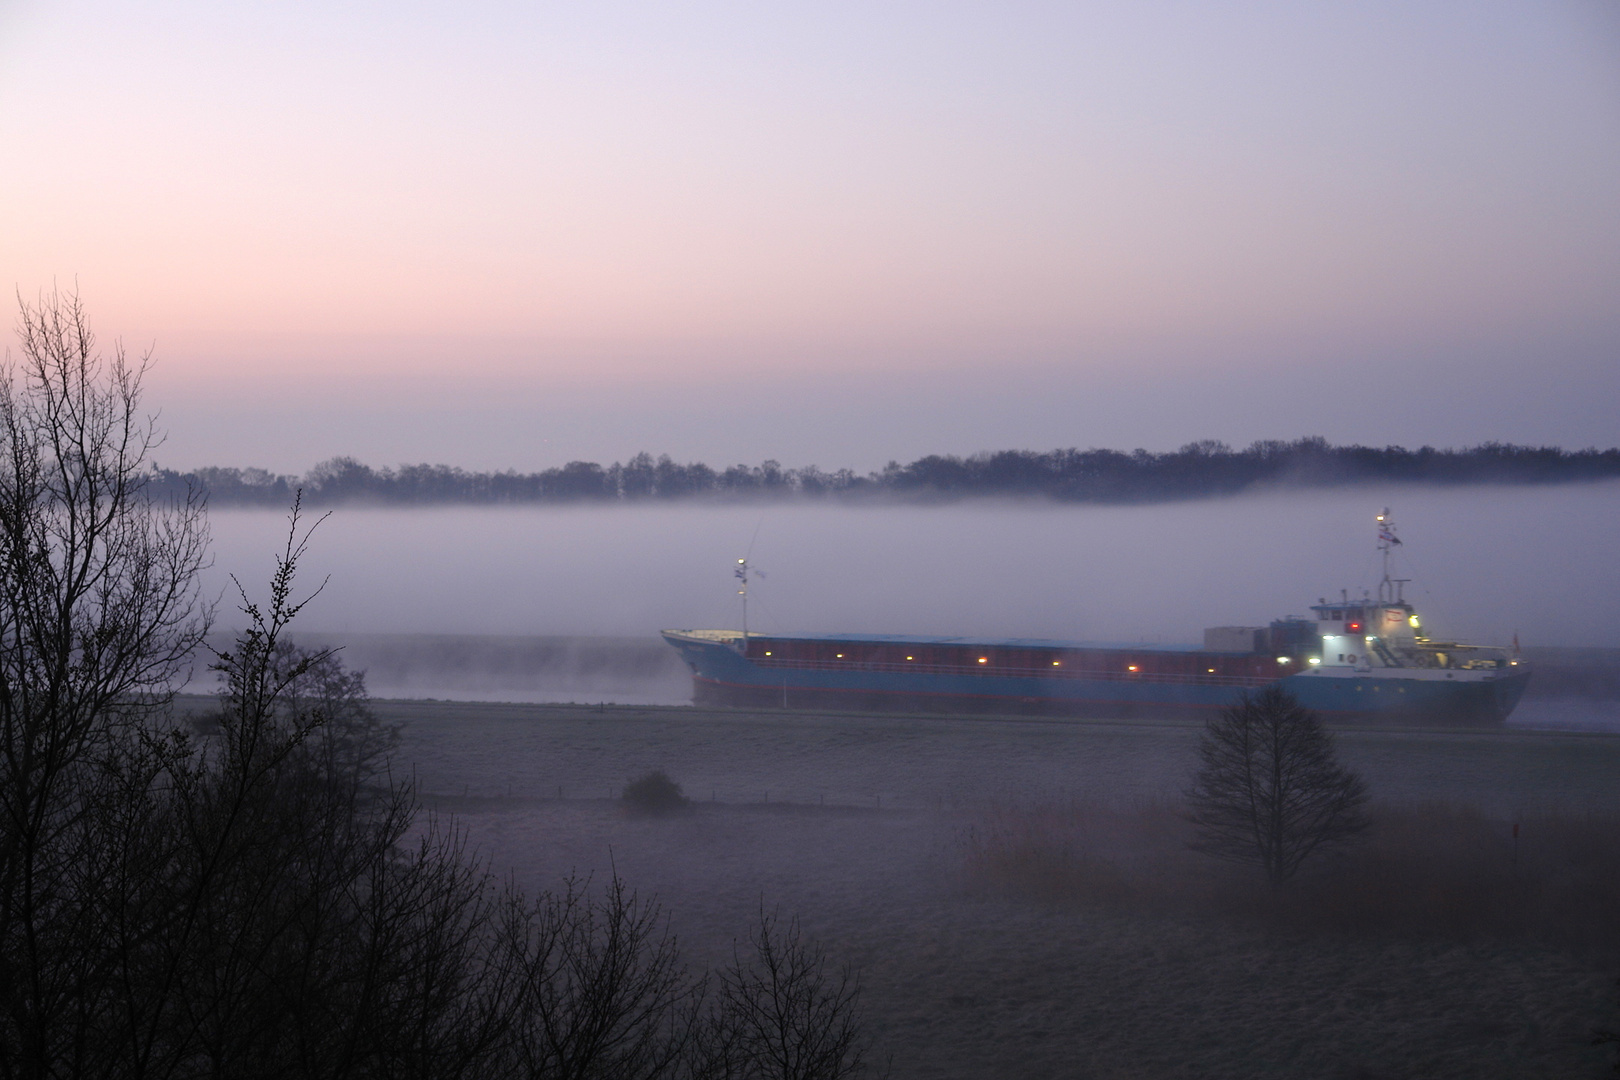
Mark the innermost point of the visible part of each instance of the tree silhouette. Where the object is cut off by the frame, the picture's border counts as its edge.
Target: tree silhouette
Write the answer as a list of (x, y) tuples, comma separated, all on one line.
[(1268, 788), (99, 611)]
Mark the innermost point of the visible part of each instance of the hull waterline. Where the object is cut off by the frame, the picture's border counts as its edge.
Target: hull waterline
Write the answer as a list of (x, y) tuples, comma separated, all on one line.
[(725, 675)]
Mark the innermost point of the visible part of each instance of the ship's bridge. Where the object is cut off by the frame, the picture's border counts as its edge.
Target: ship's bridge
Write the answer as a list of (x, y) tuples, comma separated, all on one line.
[(1366, 633)]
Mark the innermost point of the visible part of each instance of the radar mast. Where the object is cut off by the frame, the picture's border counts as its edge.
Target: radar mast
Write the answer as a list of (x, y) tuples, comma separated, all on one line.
[(741, 573), (1390, 589)]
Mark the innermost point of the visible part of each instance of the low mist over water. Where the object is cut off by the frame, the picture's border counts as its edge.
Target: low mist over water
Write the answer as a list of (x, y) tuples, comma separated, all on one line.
[(1485, 563)]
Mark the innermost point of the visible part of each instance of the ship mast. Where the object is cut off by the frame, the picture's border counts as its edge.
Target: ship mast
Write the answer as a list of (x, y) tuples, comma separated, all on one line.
[(1389, 589), (741, 574)]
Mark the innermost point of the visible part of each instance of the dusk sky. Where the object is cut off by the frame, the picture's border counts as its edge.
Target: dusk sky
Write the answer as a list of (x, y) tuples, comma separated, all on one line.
[(512, 235)]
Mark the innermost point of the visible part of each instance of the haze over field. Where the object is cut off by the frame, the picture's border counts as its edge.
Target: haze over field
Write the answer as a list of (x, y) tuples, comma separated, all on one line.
[(1485, 563)]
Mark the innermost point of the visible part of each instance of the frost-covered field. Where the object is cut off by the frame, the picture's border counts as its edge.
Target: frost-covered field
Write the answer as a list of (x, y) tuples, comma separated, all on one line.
[(856, 824), (929, 763)]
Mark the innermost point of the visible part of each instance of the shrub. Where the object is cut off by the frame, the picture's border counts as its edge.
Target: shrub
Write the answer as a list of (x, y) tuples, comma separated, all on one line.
[(655, 795)]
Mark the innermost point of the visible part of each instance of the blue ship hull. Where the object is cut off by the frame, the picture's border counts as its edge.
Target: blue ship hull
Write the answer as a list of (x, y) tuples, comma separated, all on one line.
[(722, 675)]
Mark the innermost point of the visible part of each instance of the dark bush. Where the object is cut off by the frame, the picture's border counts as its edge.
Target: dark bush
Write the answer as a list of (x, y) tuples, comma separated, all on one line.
[(655, 795)]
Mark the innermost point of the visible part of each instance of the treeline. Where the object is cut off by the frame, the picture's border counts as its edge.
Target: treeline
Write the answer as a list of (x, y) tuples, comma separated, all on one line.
[(1111, 476)]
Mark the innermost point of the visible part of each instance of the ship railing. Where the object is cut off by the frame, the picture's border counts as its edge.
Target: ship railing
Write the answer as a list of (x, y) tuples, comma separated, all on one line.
[(1109, 675)]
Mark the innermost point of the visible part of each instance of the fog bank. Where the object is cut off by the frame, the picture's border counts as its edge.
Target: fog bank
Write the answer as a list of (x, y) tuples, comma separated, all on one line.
[(1484, 563)]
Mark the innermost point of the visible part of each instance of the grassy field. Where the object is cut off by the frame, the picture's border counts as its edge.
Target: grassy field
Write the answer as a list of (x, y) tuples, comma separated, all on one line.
[(926, 762), (1021, 904)]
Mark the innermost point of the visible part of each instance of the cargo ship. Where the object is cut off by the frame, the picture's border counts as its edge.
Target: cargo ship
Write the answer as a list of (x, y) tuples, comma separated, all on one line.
[(1364, 659)]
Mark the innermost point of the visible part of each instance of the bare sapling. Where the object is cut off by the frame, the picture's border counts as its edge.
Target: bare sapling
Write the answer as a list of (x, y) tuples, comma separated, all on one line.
[(1269, 789)]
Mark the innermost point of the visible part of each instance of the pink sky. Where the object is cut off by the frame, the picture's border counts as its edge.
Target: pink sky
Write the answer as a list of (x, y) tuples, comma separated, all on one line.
[(510, 235)]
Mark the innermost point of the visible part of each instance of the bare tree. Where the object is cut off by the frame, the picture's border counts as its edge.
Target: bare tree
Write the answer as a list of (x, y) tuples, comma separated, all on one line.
[(99, 611), (600, 989), (782, 1014), (313, 926), (1268, 788)]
